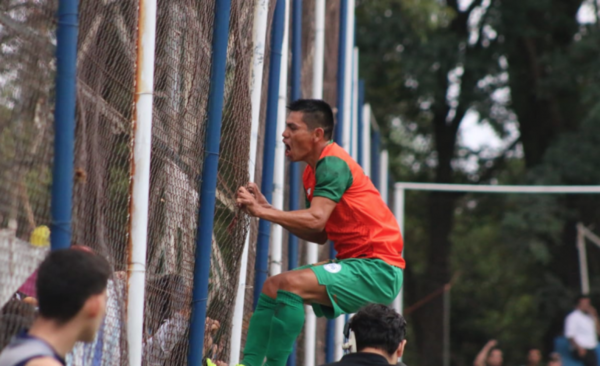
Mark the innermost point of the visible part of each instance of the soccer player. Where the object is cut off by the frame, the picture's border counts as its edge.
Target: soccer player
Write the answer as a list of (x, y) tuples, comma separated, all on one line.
[(343, 206), (71, 289)]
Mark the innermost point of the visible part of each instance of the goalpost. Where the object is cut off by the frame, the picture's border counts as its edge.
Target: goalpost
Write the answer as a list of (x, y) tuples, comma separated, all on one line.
[(400, 189)]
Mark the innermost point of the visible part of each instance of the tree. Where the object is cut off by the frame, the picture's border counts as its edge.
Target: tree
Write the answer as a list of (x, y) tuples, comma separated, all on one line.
[(429, 53), (427, 65)]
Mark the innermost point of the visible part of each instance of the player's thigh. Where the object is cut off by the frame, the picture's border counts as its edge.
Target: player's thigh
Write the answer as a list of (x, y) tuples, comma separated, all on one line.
[(353, 283), (302, 282)]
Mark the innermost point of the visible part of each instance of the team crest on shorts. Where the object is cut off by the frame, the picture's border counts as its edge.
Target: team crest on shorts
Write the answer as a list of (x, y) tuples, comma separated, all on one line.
[(333, 267)]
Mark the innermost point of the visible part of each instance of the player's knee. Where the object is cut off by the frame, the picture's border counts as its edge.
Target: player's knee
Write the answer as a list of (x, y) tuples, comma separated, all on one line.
[(271, 286)]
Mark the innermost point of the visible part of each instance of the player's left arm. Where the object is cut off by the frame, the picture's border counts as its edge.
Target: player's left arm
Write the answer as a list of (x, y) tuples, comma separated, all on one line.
[(308, 224)]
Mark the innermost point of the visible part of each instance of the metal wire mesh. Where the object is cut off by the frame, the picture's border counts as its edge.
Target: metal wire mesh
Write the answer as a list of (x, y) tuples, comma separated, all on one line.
[(106, 65), (182, 73), (105, 90), (231, 225), (27, 69)]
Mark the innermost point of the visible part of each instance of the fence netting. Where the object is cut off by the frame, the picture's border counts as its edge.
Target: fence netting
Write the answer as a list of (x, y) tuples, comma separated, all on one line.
[(231, 225), (27, 69), (106, 69), (182, 81)]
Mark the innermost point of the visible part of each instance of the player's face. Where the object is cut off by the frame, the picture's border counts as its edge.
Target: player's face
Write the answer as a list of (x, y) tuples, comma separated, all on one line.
[(298, 139)]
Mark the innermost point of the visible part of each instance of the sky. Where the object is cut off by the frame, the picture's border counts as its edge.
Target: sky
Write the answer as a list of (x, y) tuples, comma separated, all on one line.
[(479, 135)]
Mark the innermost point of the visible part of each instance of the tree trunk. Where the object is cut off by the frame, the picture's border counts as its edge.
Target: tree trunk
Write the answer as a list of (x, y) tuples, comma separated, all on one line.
[(429, 319)]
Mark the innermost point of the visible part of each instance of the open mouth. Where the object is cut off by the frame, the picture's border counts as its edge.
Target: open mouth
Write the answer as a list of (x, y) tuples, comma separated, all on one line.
[(288, 149)]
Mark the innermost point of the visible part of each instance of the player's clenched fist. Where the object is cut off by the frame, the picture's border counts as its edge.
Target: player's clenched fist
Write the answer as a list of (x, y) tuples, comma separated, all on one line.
[(247, 202), (255, 191)]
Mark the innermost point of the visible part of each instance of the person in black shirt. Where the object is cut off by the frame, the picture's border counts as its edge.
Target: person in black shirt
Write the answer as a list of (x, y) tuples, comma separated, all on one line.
[(380, 337)]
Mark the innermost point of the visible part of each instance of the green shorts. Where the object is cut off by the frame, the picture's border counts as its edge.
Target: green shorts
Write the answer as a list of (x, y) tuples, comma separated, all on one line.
[(353, 283)]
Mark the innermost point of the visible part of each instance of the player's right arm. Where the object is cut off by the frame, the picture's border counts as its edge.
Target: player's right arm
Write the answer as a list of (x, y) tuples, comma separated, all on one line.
[(315, 237)]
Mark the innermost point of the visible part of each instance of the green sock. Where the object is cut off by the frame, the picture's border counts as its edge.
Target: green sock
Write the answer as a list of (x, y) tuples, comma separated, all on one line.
[(257, 338), (286, 326)]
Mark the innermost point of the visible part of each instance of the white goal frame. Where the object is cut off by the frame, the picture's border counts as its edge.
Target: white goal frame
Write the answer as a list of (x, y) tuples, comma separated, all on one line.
[(400, 189)]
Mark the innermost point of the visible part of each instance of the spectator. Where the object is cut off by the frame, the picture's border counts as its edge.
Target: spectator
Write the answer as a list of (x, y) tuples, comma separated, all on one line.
[(167, 296), (71, 288), (15, 316), (581, 329), (555, 359), (380, 337), (534, 357), (489, 355)]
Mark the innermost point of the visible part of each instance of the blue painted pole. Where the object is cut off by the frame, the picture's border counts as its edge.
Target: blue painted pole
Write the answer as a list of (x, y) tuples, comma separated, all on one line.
[(64, 124), (295, 95), (294, 169), (208, 186), (361, 104), (264, 226), (338, 134), (375, 156)]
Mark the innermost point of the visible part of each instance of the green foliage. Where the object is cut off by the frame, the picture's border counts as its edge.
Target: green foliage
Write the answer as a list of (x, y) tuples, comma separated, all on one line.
[(529, 62)]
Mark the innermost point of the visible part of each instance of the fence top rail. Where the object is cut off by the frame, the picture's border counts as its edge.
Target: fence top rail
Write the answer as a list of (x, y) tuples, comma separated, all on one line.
[(443, 187)]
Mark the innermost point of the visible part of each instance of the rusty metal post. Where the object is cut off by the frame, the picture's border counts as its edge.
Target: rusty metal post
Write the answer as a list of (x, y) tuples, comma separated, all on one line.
[(140, 183)]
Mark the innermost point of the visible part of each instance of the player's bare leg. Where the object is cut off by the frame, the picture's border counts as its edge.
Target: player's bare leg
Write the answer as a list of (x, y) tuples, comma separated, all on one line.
[(302, 282)]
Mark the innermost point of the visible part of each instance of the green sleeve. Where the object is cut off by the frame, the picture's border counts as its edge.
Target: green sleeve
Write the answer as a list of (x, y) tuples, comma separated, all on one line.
[(333, 178)]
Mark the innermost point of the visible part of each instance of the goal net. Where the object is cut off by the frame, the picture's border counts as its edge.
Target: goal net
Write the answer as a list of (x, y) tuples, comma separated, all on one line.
[(494, 262)]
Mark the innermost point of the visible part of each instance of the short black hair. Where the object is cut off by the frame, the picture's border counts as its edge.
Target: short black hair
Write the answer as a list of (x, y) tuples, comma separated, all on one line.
[(378, 326), (66, 279), (315, 113), (581, 297)]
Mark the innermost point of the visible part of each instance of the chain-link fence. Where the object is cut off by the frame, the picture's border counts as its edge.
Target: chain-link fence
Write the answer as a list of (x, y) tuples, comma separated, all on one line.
[(27, 69), (106, 66)]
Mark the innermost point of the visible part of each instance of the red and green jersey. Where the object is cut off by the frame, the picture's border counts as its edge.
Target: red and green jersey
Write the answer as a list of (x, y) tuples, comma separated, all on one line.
[(361, 225)]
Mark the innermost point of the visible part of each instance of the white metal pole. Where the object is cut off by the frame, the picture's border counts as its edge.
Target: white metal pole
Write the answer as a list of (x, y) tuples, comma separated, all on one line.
[(444, 187), (447, 325), (140, 189), (346, 143), (278, 173), (384, 175), (590, 235), (261, 17), (312, 250), (583, 267), (399, 213), (354, 149), (366, 140), (317, 82)]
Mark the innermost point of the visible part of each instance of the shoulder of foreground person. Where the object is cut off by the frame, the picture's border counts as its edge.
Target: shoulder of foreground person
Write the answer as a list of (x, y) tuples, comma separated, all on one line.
[(44, 361)]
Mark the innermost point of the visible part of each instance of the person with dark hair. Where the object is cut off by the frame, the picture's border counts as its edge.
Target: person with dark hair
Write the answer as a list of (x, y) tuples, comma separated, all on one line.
[(582, 329), (490, 355), (554, 359), (534, 357), (71, 289), (380, 336), (342, 205)]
